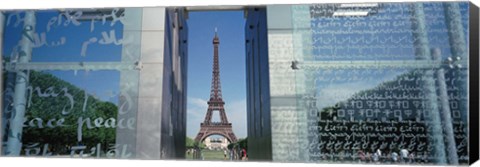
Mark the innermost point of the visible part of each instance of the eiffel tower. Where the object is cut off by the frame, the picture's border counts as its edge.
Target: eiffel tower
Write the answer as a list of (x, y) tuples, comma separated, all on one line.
[(216, 103)]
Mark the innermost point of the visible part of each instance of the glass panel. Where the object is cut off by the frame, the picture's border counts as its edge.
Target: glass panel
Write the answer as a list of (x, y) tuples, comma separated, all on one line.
[(70, 82), (68, 112), (69, 35), (382, 82)]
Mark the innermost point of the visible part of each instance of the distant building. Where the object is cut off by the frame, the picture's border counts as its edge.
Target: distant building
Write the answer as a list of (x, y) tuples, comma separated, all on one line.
[(216, 143)]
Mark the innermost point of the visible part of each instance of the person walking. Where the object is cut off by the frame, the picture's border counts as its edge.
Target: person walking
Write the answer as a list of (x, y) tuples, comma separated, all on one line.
[(376, 157), (411, 158), (244, 154), (368, 157), (403, 155), (235, 153), (379, 154), (361, 155), (224, 154), (394, 157)]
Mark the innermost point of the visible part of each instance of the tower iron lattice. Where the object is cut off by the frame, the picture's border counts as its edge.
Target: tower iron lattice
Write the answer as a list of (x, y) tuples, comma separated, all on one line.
[(216, 103)]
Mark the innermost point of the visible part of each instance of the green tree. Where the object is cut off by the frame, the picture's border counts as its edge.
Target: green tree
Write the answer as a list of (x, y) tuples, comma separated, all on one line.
[(243, 143), (55, 98), (189, 143)]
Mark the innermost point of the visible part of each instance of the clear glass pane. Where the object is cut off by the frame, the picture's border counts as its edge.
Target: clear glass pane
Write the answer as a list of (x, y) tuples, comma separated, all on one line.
[(70, 82), (382, 82)]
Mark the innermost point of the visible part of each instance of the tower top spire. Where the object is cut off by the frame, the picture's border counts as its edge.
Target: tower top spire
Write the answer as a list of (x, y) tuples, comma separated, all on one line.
[(215, 38), (216, 91)]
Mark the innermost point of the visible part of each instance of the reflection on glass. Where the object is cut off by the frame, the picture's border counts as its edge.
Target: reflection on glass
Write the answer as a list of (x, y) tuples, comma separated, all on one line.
[(381, 83), (64, 113), (382, 110), (55, 101), (368, 83), (68, 36)]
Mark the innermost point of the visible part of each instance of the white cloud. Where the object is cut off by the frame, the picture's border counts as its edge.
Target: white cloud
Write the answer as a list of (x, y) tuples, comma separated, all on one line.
[(237, 115), (198, 102), (334, 93), (196, 110)]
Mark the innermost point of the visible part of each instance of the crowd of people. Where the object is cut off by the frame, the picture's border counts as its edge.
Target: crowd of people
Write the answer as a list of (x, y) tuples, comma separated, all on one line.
[(376, 156), (196, 153), (396, 156), (236, 154), (233, 154), (403, 156)]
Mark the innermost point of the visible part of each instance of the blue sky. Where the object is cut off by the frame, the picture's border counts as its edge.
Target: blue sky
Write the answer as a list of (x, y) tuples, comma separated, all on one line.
[(70, 50), (230, 25)]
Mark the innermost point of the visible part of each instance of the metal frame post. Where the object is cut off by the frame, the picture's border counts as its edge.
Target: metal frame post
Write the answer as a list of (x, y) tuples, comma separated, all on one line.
[(446, 112), (459, 50), (14, 141), (422, 52), (2, 21)]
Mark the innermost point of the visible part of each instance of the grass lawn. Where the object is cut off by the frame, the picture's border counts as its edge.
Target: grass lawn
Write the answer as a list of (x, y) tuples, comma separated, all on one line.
[(209, 155), (213, 155)]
